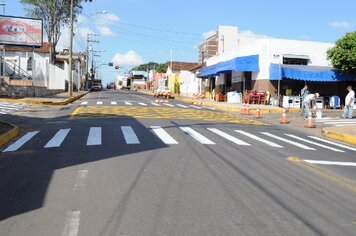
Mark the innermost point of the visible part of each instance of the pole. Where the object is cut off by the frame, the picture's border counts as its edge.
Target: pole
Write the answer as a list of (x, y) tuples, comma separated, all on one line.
[(70, 85), (279, 79), (87, 64)]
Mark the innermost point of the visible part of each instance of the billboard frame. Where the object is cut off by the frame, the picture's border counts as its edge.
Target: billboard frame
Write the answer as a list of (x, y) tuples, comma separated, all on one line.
[(3, 42)]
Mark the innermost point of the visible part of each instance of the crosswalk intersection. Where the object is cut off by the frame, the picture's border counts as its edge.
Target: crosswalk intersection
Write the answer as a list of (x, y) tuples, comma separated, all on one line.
[(335, 121), (94, 136), (10, 107)]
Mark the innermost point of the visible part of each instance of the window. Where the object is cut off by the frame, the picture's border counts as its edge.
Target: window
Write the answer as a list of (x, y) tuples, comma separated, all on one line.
[(29, 64)]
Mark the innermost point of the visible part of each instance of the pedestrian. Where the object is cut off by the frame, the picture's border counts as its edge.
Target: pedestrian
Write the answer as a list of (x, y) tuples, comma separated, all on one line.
[(303, 92), (310, 103), (349, 103)]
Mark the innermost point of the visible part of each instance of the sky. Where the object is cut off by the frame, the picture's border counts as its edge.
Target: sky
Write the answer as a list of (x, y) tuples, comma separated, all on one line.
[(133, 32)]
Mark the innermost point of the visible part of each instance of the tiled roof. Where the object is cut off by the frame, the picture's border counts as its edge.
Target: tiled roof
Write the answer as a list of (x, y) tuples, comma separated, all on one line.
[(197, 67), (177, 66), (43, 49)]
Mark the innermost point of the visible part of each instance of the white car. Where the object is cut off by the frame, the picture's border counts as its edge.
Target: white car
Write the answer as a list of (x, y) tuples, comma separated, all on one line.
[(162, 91)]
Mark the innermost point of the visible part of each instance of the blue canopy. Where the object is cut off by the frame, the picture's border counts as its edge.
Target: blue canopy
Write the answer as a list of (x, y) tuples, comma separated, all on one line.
[(307, 73), (247, 63)]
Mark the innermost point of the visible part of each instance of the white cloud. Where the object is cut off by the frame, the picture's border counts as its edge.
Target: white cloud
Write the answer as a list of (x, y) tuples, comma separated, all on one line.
[(208, 34), (107, 19), (340, 24), (130, 58), (105, 31)]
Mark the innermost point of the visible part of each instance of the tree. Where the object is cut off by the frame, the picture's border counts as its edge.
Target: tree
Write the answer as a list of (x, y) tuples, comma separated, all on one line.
[(54, 13), (159, 68), (343, 55)]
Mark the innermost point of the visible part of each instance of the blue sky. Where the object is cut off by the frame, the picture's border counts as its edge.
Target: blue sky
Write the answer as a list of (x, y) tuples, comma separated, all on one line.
[(133, 32)]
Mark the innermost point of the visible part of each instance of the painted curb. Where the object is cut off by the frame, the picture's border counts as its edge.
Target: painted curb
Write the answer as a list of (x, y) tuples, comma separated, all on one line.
[(8, 136), (338, 136)]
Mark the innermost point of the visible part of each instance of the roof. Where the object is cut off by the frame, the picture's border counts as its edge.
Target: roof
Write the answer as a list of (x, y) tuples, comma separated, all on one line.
[(13, 48), (177, 66), (197, 67)]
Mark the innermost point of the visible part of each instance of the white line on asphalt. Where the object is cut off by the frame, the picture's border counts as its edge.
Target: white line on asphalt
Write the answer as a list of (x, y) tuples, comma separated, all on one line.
[(341, 122), (272, 144), (129, 135), (10, 108), (81, 180), (3, 112), (94, 137), (180, 105), (113, 103), (167, 104), (335, 163), (333, 143), (209, 108), (99, 103), (200, 138), (196, 107), (57, 140), (20, 142), (228, 137), (13, 105), (71, 224), (84, 103), (142, 104), (288, 141), (155, 104), (314, 143), (163, 135), (128, 103)]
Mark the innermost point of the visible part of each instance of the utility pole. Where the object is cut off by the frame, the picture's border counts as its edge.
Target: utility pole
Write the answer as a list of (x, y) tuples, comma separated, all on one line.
[(89, 40), (70, 84)]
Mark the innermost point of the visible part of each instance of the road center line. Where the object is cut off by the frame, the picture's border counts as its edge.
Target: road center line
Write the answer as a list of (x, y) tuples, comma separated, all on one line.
[(20, 142), (71, 224)]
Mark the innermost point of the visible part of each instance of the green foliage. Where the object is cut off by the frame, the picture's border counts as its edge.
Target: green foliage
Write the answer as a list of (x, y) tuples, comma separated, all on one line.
[(159, 68), (343, 55)]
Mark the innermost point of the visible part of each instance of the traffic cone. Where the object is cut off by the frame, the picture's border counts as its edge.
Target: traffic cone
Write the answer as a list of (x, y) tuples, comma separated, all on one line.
[(248, 109), (309, 123), (258, 113), (284, 118), (243, 110)]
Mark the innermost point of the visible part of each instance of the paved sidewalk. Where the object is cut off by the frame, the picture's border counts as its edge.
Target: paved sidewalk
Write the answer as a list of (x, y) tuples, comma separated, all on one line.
[(270, 114)]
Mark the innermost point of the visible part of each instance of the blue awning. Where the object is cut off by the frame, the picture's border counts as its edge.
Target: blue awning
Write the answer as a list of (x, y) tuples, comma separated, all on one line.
[(247, 63), (307, 73)]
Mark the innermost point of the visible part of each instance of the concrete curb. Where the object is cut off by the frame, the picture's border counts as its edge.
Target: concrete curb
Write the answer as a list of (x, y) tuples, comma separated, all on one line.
[(8, 136), (48, 102), (338, 136)]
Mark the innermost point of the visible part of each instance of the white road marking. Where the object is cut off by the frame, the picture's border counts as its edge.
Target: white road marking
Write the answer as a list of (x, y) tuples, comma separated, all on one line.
[(272, 144), (200, 138), (57, 140), (94, 137), (333, 143), (20, 142), (335, 163), (84, 103), (228, 137), (99, 103), (180, 105), (142, 104), (163, 135), (128, 103), (71, 224), (155, 104), (10, 108), (210, 108), (167, 104), (314, 143), (3, 112), (288, 141), (129, 135), (113, 103), (81, 180), (196, 107)]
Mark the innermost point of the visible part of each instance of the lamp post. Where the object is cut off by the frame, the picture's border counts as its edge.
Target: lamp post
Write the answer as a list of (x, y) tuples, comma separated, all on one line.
[(70, 84)]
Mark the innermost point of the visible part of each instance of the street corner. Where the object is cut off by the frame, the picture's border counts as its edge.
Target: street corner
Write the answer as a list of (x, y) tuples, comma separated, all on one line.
[(8, 132), (344, 134)]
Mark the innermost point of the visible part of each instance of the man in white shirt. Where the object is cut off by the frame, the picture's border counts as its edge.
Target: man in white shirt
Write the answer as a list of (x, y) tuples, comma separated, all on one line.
[(309, 102), (349, 103)]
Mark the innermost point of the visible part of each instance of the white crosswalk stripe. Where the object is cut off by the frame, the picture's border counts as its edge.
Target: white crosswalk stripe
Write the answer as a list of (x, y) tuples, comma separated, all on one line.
[(336, 121), (113, 103), (128, 103), (142, 104), (9, 107), (84, 103), (163, 135), (333, 143), (183, 106), (57, 140), (24, 139), (196, 107), (99, 103), (129, 135), (155, 104), (94, 137), (314, 143), (272, 144), (228, 137), (169, 105), (197, 136), (288, 141)]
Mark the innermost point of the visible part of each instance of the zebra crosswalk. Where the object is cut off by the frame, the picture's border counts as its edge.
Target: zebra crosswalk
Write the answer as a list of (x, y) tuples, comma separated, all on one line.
[(10, 107), (336, 121), (94, 136), (143, 104)]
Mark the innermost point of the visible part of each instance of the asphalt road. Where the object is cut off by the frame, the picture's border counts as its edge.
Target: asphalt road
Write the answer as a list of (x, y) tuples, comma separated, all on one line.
[(124, 163)]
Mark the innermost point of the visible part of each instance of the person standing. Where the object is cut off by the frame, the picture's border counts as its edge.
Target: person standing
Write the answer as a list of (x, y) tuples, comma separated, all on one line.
[(309, 102), (349, 103), (304, 92)]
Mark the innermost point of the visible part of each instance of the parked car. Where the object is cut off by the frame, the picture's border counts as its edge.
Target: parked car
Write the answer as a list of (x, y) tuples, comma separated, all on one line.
[(95, 87), (162, 91)]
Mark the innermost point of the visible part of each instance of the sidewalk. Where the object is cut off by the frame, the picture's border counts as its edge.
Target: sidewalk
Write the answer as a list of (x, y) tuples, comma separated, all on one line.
[(270, 114)]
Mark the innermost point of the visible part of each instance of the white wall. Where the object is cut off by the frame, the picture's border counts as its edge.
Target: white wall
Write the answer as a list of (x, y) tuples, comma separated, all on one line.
[(189, 83), (227, 36)]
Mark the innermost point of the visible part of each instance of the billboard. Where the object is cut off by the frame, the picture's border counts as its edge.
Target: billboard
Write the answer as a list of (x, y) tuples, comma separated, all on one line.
[(21, 31)]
